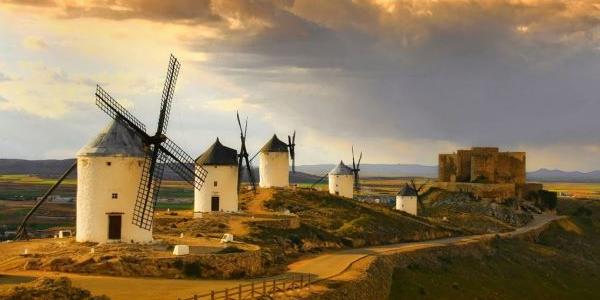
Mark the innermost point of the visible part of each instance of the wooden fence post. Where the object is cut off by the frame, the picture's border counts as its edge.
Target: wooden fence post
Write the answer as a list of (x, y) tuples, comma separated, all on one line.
[(226, 293), (240, 292), (264, 288), (212, 295), (252, 293)]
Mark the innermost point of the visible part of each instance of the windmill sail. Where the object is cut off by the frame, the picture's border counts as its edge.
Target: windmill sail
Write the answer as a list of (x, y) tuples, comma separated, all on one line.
[(162, 152)]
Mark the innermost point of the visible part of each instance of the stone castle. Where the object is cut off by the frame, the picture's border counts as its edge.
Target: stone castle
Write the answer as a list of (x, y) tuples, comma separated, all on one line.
[(485, 172), (482, 165)]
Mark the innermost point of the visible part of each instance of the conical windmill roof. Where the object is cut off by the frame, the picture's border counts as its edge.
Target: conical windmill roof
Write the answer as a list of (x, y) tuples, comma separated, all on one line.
[(274, 145), (407, 191), (341, 169), (218, 155), (115, 139)]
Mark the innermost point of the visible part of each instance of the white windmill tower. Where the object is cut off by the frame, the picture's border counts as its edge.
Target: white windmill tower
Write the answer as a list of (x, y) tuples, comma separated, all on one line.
[(109, 169), (220, 193), (406, 200), (274, 162), (341, 181)]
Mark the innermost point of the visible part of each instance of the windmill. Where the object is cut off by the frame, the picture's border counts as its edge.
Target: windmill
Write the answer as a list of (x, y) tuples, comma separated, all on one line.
[(243, 156), (162, 151), (292, 146), (355, 170)]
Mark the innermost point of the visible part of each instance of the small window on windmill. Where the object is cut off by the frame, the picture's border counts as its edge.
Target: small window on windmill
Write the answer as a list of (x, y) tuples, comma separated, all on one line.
[(215, 183), (108, 163), (115, 195)]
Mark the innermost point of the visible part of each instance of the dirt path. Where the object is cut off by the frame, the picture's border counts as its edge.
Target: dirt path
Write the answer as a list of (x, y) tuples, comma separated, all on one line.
[(256, 202), (323, 266)]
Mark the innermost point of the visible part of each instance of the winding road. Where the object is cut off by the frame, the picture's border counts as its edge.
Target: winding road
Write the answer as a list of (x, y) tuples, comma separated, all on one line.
[(322, 266)]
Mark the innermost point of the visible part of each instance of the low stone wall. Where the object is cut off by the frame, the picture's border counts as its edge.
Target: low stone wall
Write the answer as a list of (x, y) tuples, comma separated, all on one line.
[(280, 223), (491, 191), (218, 266)]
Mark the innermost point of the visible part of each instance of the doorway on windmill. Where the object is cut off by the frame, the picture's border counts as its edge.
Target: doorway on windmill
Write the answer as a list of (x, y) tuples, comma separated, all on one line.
[(214, 204), (114, 227)]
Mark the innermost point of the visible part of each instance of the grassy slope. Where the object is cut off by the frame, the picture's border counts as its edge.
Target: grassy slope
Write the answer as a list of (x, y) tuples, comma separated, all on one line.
[(340, 217), (564, 263)]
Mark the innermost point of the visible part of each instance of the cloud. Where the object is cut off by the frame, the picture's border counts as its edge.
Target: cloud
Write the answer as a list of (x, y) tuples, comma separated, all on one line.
[(406, 79), (34, 43), (231, 104)]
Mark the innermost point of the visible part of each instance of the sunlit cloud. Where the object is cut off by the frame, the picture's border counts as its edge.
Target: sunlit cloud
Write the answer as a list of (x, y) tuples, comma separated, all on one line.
[(34, 43)]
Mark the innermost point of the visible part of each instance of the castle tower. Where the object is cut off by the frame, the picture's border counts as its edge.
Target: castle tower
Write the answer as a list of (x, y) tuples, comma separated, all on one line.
[(341, 181), (274, 164), (220, 191), (406, 200), (109, 169)]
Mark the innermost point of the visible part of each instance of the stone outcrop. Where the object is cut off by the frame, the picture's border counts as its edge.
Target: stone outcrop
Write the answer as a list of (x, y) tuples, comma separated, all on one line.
[(50, 289)]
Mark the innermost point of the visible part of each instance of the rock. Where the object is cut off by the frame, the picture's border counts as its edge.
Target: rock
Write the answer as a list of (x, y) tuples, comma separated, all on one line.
[(51, 289)]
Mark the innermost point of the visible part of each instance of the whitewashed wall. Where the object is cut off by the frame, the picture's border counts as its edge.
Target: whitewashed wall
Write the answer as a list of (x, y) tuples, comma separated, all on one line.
[(96, 182), (226, 189), (342, 184), (274, 169), (407, 204)]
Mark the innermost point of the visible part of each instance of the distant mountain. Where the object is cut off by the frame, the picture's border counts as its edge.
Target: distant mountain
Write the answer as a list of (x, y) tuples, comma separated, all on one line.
[(558, 175), (377, 170), (44, 168), (54, 168), (304, 174)]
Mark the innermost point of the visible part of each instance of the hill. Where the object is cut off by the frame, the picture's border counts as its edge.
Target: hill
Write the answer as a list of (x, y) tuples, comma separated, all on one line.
[(562, 262), (53, 168), (305, 173)]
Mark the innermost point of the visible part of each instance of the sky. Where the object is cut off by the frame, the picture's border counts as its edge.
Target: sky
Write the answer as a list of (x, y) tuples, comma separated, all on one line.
[(400, 80)]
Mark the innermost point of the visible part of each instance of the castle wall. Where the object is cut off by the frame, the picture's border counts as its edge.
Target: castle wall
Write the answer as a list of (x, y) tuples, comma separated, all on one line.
[(463, 170), (447, 167), (510, 167), (483, 165)]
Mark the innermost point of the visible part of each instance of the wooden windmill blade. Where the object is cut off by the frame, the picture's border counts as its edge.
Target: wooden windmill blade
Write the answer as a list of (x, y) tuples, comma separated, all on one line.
[(243, 156), (183, 164), (319, 180), (292, 146), (167, 94), (161, 150), (119, 113), (147, 196)]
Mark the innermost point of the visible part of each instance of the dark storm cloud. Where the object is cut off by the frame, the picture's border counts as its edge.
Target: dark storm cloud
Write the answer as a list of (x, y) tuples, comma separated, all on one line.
[(474, 72), (490, 72), (184, 11)]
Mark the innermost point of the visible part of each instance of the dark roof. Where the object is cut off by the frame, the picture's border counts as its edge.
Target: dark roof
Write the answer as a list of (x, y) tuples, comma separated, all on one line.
[(341, 169), (274, 145), (115, 139), (407, 191), (218, 154)]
